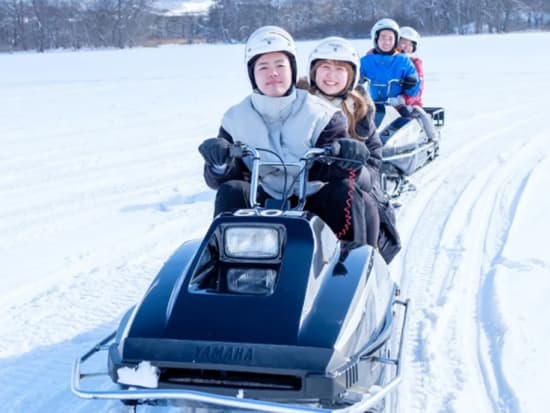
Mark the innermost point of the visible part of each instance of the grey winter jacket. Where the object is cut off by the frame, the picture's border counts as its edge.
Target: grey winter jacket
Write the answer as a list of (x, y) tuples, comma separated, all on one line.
[(287, 125)]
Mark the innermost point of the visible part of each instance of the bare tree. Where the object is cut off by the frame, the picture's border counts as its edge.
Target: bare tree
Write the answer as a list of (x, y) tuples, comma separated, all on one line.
[(46, 24), (16, 29)]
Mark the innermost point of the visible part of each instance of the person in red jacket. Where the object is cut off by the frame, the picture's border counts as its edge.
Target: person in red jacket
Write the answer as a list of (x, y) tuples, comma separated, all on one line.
[(408, 44)]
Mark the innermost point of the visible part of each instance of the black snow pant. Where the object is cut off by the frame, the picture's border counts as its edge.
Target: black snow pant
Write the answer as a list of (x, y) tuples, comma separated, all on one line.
[(339, 203), (372, 219), (366, 181)]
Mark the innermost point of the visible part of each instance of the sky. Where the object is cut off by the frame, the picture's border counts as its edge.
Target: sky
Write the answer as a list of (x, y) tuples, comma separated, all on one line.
[(101, 180)]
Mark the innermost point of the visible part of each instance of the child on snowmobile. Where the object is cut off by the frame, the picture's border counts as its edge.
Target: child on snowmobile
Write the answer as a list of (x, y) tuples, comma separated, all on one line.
[(408, 45), (391, 75), (333, 75), (287, 121)]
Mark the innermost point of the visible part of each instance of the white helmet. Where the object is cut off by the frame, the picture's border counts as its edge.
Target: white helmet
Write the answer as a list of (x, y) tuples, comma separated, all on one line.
[(384, 24), (269, 39), (335, 48), (409, 33)]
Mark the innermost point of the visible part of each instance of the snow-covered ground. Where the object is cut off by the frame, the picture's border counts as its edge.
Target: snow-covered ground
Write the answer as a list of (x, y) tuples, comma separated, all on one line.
[(100, 181)]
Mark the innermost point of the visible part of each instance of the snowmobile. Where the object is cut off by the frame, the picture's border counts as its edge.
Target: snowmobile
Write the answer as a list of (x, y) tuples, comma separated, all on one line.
[(408, 145), (269, 312)]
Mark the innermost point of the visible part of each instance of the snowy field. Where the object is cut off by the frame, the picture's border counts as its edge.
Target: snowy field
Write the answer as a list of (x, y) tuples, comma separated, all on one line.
[(100, 180)]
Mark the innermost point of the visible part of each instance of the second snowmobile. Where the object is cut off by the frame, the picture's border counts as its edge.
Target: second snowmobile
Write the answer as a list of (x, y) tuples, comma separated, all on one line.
[(408, 145)]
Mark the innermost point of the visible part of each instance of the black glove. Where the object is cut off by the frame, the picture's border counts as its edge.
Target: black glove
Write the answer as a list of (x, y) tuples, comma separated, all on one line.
[(409, 82), (215, 151), (351, 150)]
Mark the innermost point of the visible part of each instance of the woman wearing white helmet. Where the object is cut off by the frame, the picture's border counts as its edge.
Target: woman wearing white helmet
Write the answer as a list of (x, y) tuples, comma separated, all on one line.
[(333, 75), (408, 39), (391, 75), (287, 121), (408, 45)]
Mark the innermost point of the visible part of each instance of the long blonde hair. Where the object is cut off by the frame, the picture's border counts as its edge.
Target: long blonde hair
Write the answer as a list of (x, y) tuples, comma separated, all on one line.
[(359, 101)]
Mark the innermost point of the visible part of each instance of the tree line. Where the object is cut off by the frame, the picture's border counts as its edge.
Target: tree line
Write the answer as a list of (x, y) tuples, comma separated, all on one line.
[(52, 24)]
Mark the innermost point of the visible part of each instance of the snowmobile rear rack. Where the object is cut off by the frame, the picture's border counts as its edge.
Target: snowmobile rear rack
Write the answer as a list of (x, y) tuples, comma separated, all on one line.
[(437, 114)]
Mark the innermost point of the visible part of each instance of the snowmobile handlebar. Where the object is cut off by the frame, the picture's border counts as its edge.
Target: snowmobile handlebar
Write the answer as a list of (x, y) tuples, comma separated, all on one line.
[(384, 88), (242, 150)]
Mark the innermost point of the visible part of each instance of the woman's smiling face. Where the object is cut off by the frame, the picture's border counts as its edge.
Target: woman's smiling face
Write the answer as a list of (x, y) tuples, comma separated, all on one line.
[(332, 77)]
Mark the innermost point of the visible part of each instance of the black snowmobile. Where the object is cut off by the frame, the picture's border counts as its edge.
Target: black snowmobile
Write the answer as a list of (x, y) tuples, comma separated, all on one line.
[(269, 312), (408, 145)]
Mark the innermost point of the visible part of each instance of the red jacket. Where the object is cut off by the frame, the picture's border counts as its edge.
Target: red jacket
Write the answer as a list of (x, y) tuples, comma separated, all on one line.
[(416, 100)]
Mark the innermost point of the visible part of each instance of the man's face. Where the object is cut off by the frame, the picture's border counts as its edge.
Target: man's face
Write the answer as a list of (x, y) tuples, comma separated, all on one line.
[(273, 74), (386, 40)]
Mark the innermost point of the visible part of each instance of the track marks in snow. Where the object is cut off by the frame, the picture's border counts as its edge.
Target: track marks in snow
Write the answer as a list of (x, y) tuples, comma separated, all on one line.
[(452, 237), (72, 315), (493, 328)]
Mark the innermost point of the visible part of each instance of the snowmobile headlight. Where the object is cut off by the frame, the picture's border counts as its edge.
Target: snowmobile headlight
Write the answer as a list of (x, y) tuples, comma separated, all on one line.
[(258, 281), (252, 242)]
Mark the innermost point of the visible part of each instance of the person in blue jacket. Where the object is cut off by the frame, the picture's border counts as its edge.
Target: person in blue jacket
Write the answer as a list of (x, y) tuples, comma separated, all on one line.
[(391, 75)]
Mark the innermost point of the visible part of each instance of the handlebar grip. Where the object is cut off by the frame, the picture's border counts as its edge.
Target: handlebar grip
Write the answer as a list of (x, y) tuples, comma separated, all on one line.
[(236, 150), (333, 149)]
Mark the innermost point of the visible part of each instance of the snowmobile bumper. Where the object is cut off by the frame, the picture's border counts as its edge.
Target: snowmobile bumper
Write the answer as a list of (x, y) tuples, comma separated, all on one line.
[(350, 401)]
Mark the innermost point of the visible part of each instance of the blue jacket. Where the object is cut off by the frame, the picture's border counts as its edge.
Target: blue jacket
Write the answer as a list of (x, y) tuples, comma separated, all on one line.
[(385, 72)]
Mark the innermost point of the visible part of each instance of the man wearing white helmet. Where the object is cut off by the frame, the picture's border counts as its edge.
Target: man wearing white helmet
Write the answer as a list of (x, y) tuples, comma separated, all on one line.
[(391, 75), (287, 121)]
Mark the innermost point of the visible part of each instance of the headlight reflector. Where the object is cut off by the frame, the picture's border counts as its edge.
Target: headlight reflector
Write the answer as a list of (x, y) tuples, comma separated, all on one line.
[(252, 242), (258, 281)]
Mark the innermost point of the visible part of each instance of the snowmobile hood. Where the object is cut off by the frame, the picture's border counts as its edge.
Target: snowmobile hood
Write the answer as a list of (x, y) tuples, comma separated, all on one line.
[(308, 306)]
